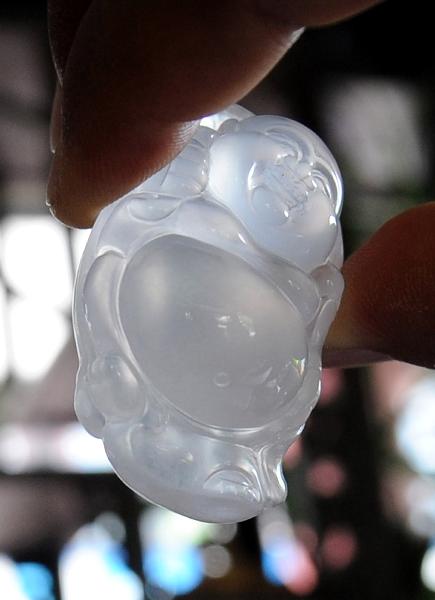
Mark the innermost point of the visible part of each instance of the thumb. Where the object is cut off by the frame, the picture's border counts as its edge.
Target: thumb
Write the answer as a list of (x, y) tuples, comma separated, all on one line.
[(388, 306)]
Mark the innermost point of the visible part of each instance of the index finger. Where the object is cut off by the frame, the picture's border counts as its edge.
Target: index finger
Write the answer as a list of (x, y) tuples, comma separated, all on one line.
[(134, 78)]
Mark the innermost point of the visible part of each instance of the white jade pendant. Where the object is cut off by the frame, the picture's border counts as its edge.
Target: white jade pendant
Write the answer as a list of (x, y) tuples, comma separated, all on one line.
[(201, 306)]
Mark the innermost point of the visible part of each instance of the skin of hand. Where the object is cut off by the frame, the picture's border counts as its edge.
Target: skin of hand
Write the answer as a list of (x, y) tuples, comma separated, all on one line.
[(132, 84)]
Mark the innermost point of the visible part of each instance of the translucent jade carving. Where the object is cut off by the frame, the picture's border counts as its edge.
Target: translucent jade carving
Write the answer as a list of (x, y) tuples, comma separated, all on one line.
[(201, 306)]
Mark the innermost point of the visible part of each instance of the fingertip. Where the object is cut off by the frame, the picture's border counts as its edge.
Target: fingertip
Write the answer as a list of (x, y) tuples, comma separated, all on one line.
[(87, 173), (131, 76), (387, 306)]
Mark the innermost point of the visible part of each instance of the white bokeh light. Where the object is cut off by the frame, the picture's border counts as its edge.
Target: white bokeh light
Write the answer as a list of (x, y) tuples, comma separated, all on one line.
[(415, 427), (428, 568), (217, 561), (4, 361), (79, 238), (37, 336), (10, 582), (91, 566), (35, 259), (65, 448)]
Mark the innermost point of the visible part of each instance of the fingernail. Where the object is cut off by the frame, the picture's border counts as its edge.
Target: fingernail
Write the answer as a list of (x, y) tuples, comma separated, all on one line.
[(56, 119)]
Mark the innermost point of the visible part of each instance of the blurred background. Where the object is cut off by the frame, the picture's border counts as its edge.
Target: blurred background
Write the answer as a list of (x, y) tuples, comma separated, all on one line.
[(359, 522)]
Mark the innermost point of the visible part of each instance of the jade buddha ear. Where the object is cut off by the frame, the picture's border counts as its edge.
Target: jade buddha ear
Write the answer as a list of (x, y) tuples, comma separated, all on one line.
[(201, 306)]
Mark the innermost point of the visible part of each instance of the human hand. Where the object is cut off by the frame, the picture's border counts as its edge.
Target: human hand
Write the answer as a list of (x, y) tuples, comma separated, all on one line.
[(132, 83)]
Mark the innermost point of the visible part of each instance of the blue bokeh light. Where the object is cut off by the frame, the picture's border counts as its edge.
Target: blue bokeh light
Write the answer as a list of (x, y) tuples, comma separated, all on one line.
[(175, 569), (36, 581)]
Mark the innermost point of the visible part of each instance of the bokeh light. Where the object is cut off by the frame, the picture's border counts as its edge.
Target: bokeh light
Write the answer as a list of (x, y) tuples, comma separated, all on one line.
[(427, 570), (177, 570), (339, 547), (217, 561), (92, 565), (326, 477), (415, 426)]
